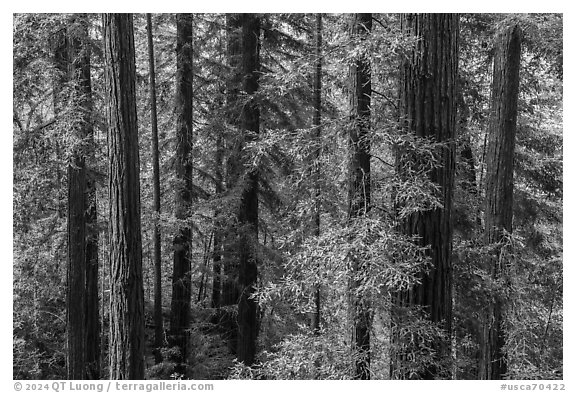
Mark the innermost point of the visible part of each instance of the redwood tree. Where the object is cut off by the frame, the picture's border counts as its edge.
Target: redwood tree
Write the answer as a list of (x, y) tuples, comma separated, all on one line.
[(428, 110), (248, 209), (317, 125), (76, 280), (181, 279), (499, 193), (156, 238), (228, 234), (359, 189), (80, 72), (126, 350)]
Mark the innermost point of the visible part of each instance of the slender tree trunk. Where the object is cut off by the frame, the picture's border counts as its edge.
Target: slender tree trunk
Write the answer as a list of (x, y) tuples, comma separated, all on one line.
[(219, 190), (359, 190), (230, 286), (466, 154), (59, 92), (181, 280), (499, 192), (317, 125), (127, 295), (428, 110), (248, 214), (93, 326), (217, 245), (467, 223), (466, 220), (156, 238)]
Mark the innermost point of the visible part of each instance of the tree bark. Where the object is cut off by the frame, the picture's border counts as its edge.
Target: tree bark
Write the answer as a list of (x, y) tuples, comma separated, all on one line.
[(229, 260), (359, 189), (181, 279), (73, 64), (156, 235), (81, 73), (217, 245), (317, 125), (127, 295), (428, 110), (248, 214), (465, 219), (76, 309), (499, 192), (217, 290)]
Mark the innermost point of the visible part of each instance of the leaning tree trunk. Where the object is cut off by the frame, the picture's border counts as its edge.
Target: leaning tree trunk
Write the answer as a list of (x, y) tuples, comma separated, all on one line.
[(248, 209), (359, 190), (499, 192), (126, 350), (156, 238), (181, 279), (428, 110)]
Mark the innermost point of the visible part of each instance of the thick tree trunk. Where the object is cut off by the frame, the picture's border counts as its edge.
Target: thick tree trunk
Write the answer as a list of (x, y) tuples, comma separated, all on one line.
[(317, 125), (81, 73), (127, 295), (76, 268), (359, 190), (76, 225), (499, 192), (248, 214), (428, 110), (181, 279), (156, 238), (73, 64)]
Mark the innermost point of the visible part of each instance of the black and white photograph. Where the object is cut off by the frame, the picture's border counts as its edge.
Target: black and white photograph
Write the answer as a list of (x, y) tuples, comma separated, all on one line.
[(287, 196)]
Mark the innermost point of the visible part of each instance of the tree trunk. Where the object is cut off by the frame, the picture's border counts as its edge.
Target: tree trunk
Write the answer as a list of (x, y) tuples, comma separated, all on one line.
[(76, 266), (76, 288), (248, 214), (229, 260), (92, 282), (317, 125), (428, 110), (466, 154), (465, 220), (181, 280), (127, 294), (359, 189), (158, 323), (466, 224), (217, 245), (73, 64), (81, 73), (218, 190), (499, 192)]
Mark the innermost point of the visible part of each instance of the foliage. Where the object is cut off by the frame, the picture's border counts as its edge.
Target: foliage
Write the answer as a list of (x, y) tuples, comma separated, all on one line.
[(292, 262)]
